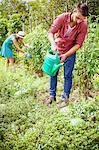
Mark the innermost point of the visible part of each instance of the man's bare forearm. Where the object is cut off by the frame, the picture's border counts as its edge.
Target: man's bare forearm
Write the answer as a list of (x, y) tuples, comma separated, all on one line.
[(52, 41), (72, 50), (51, 38)]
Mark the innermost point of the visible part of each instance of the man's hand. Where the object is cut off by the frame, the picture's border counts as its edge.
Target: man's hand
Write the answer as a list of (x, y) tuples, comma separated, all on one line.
[(69, 53), (63, 57), (53, 47)]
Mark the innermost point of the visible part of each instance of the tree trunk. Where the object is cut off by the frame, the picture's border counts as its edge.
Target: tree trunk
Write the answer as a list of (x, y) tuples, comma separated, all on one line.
[(30, 23)]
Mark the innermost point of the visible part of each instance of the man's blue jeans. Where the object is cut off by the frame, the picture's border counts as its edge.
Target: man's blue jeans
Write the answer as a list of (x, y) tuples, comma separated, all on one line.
[(68, 69)]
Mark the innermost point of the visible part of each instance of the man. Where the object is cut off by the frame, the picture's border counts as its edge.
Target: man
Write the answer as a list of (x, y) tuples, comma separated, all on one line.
[(71, 29)]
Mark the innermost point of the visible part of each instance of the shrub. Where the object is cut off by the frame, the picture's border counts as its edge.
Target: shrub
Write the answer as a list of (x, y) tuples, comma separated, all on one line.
[(87, 62), (3, 30), (39, 42)]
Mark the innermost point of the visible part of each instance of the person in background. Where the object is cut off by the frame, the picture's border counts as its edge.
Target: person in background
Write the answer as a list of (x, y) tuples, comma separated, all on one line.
[(71, 30), (7, 47)]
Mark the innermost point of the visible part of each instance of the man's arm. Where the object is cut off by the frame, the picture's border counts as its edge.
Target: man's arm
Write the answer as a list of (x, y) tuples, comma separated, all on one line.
[(70, 52), (57, 24), (52, 41)]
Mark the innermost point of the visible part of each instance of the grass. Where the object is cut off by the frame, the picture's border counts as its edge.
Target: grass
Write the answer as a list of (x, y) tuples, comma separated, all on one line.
[(26, 123)]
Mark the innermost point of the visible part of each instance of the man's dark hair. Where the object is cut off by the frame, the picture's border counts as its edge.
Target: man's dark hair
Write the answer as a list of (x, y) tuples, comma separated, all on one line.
[(83, 9)]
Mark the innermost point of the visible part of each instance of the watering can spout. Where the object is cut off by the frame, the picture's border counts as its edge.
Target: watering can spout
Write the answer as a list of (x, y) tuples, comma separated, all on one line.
[(56, 67), (60, 65)]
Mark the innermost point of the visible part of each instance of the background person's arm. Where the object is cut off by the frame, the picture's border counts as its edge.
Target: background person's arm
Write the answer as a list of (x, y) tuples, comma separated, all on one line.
[(17, 46), (26, 45)]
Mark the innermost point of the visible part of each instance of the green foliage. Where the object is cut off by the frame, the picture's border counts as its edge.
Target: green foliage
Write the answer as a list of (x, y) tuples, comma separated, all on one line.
[(33, 13), (13, 85), (12, 7), (87, 61), (26, 123), (3, 30), (93, 7), (15, 24), (39, 42), (95, 81)]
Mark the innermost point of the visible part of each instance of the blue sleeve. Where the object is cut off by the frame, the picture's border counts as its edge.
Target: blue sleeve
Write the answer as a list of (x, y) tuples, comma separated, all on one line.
[(12, 37)]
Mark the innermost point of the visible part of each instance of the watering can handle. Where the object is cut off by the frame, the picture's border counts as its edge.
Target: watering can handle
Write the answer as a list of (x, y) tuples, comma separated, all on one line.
[(51, 52)]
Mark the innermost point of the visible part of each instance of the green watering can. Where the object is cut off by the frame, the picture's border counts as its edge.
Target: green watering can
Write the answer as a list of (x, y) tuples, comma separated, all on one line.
[(0, 53), (51, 63)]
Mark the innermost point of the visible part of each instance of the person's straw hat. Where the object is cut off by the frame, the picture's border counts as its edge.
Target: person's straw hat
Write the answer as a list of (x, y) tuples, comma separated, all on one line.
[(21, 34)]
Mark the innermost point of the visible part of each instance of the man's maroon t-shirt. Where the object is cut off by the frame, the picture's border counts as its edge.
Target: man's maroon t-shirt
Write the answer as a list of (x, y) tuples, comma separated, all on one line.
[(77, 35)]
